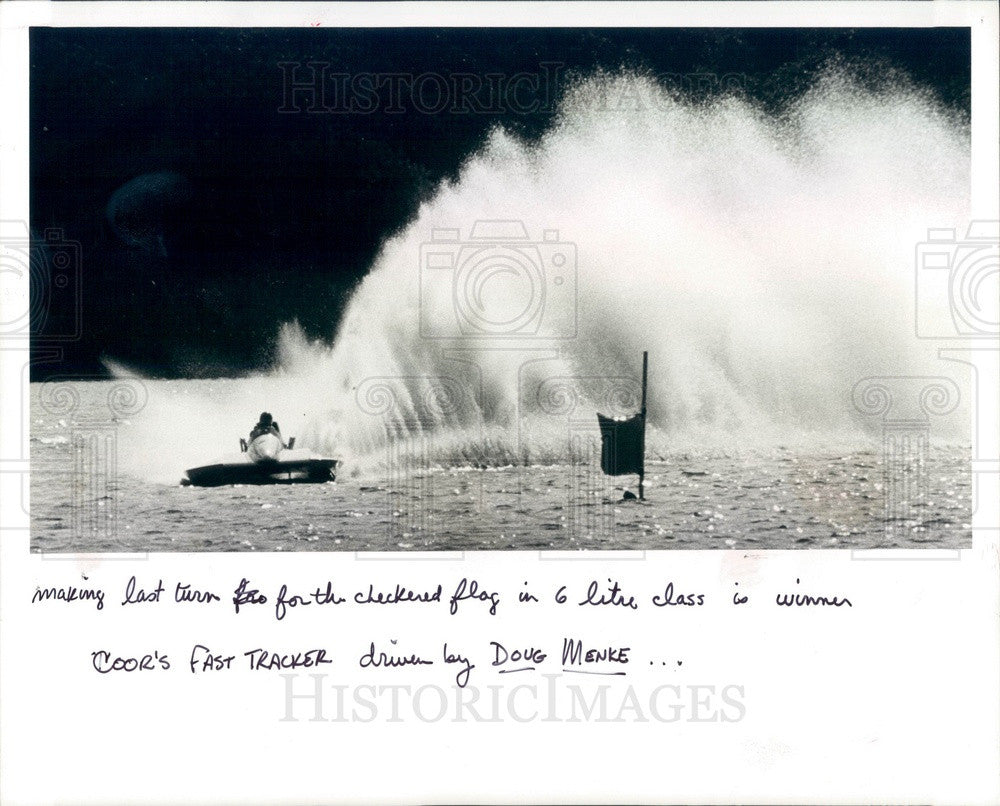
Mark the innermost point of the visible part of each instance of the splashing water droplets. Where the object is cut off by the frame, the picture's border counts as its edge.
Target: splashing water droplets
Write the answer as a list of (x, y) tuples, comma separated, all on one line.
[(766, 264)]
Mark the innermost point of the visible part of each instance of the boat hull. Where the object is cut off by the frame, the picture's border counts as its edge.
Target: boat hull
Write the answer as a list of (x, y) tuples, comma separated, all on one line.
[(264, 461), (278, 471)]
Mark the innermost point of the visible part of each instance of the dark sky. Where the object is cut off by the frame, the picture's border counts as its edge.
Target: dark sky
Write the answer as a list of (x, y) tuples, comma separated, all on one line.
[(210, 205)]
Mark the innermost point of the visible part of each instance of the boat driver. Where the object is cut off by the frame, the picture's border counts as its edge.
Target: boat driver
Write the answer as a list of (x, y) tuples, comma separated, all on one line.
[(264, 425)]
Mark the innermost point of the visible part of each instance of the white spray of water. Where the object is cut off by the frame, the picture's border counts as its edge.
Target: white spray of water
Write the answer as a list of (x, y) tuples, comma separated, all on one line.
[(766, 265)]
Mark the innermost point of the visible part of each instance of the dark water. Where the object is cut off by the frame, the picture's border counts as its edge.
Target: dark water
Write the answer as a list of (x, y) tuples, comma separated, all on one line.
[(765, 499)]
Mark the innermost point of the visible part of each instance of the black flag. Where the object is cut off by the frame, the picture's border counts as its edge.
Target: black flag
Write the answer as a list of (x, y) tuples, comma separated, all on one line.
[(623, 441), (621, 445)]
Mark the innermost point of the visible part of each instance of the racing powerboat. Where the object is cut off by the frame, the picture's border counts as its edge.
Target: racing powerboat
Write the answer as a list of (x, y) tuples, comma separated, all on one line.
[(264, 460)]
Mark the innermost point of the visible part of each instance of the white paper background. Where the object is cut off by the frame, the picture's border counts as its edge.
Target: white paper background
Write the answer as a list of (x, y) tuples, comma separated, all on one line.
[(894, 699)]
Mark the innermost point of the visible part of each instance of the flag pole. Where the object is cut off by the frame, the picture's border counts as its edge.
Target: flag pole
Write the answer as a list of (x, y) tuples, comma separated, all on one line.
[(642, 449)]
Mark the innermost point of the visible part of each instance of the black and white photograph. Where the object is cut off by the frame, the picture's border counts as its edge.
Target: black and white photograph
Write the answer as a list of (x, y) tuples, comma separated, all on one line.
[(534, 288), (499, 402)]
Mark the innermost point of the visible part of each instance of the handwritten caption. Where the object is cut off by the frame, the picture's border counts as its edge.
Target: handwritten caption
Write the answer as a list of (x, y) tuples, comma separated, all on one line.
[(572, 654)]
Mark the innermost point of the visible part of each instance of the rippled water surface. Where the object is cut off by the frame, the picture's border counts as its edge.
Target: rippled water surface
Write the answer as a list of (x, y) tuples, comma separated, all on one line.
[(766, 499)]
